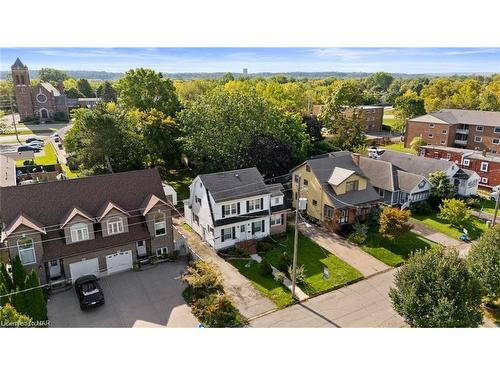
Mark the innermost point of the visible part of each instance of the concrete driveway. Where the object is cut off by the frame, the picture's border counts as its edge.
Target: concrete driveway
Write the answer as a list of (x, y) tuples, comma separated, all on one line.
[(146, 298)]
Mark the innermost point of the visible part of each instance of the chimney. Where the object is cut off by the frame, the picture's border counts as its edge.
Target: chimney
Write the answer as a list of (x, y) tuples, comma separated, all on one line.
[(355, 158)]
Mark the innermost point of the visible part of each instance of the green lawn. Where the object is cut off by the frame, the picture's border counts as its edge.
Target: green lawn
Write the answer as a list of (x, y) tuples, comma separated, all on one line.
[(390, 122), (475, 228), (68, 172), (488, 206), (272, 289), (180, 181), (29, 132), (394, 252), (50, 157), (314, 259), (400, 147)]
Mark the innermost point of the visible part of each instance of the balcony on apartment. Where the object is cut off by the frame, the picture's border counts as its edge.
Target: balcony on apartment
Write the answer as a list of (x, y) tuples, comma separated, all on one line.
[(463, 129), (461, 138), (461, 142)]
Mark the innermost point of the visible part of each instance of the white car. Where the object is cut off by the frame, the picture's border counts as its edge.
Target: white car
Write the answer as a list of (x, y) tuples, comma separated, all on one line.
[(35, 144), (494, 195)]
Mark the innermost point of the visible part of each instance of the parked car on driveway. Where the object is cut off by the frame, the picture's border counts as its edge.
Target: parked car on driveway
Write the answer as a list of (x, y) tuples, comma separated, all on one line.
[(28, 148), (89, 292), (35, 144)]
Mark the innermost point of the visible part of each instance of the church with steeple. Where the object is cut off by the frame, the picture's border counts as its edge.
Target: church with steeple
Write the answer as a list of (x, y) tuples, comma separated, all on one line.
[(41, 102)]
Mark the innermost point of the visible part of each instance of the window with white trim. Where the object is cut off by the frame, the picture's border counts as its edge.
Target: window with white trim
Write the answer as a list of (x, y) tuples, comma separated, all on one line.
[(79, 232), (160, 224), (254, 204), (161, 251), (478, 139), (430, 135), (257, 226), (344, 216), (443, 142), (26, 251), (466, 162), (479, 129), (115, 225), (484, 166), (484, 180), (275, 220), (243, 228), (444, 131), (497, 130), (230, 209), (227, 233), (431, 125), (496, 141), (276, 200)]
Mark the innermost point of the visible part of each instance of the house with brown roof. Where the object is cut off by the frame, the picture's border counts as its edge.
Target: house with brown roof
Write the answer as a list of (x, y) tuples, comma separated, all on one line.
[(474, 130), (94, 225)]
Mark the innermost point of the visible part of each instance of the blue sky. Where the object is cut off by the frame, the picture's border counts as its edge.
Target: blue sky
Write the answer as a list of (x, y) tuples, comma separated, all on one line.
[(310, 59)]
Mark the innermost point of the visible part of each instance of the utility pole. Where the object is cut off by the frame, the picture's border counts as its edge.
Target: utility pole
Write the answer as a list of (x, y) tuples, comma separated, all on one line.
[(14, 119), (296, 240), (497, 198)]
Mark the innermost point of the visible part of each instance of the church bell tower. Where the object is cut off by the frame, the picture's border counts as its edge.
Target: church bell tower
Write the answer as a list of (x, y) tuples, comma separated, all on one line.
[(22, 89)]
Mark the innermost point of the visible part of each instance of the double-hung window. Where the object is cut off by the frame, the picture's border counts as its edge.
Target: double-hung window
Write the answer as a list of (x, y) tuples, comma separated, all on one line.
[(276, 220), (497, 130), (466, 162), (484, 167), (26, 251), (115, 225), (161, 251), (257, 226), (160, 224), (351, 185), (230, 209), (227, 234), (79, 232), (344, 216)]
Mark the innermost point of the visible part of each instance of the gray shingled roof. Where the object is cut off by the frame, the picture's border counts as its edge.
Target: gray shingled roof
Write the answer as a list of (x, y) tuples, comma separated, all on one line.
[(415, 164), (380, 173), (323, 165), (235, 184), (18, 64), (407, 181), (464, 116), (51, 88)]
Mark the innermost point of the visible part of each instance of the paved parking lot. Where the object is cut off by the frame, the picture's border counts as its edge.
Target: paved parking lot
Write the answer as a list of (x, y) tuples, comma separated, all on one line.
[(150, 296)]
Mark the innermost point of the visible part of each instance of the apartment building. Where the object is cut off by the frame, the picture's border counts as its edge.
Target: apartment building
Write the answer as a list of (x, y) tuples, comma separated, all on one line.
[(474, 130)]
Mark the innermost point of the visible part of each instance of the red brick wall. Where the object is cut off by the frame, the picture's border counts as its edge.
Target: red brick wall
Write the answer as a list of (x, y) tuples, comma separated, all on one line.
[(422, 129)]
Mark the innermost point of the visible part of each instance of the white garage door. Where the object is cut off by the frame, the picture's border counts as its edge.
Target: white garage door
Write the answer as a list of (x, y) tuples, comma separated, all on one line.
[(119, 261), (85, 267)]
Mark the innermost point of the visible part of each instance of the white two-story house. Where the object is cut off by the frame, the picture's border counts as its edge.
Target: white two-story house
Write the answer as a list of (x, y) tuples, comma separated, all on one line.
[(235, 207)]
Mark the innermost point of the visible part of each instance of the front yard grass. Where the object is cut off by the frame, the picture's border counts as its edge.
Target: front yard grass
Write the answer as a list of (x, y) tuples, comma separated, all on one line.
[(399, 147), (269, 287), (50, 157), (394, 252), (179, 179), (488, 206), (475, 228), (314, 259)]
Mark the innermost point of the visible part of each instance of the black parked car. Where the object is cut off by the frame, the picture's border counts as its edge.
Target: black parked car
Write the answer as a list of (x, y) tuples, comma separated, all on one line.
[(28, 148), (89, 292)]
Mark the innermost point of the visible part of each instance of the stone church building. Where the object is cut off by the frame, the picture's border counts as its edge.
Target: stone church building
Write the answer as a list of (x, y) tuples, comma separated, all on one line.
[(40, 102)]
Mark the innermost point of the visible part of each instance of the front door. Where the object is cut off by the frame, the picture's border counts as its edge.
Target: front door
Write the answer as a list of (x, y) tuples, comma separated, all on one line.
[(54, 269), (44, 113), (141, 248)]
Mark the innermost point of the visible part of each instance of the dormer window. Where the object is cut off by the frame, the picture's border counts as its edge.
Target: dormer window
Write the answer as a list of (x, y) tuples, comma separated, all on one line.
[(160, 224), (352, 186), (26, 251), (115, 225), (79, 232)]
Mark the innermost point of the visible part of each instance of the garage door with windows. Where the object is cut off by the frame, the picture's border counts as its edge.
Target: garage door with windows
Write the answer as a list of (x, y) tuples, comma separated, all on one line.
[(85, 267), (119, 261)]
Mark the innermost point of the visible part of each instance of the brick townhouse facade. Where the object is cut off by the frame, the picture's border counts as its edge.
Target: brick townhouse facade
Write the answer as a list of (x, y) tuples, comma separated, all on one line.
[(485, 164), (373, 115), (473, 130)]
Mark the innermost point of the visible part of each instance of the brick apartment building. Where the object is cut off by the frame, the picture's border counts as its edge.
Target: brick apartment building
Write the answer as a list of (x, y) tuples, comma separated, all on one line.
[(373, 115), (458, 128), (485, 164)]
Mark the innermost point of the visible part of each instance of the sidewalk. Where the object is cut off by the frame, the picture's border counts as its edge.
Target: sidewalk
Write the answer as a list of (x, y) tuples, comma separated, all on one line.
[(439, 238), (249, 301), (349, 253)]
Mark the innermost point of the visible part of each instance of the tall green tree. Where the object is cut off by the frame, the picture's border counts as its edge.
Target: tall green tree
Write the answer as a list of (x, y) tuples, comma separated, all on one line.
[(36, 303), (484, 263), (160, 134), (18, 274), (107, 136), (73, 93), (456, 212), (145, 89), (108, 93), (52, 75), (441, 188), (218, 127), (5, 278), (84, 87), (435, 289), (271, 156), (341, 117), (379, 81), (407, 106)]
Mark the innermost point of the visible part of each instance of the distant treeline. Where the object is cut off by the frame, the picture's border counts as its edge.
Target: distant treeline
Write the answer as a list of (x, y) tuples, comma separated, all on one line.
[(110, 76)]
